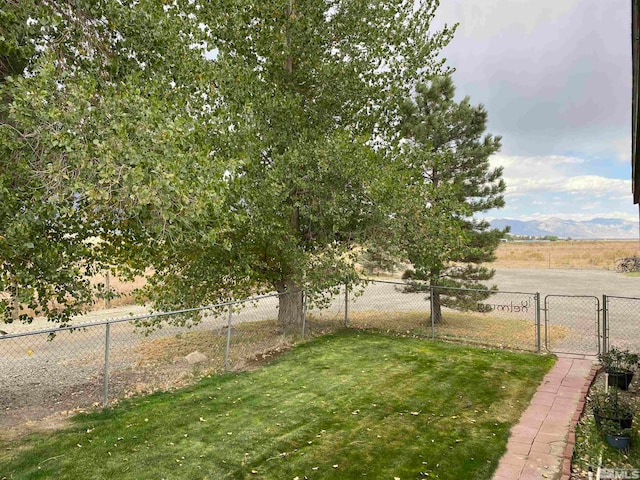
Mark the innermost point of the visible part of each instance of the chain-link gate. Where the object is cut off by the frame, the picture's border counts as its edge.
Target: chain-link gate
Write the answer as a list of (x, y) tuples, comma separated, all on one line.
[(621, 323), (572, 324)]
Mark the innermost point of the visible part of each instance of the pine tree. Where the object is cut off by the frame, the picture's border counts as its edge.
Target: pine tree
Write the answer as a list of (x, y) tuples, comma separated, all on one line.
[(375, 259), (445, 156)]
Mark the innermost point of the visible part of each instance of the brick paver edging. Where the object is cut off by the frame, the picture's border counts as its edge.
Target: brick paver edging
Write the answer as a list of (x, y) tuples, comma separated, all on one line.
[(571, 440)]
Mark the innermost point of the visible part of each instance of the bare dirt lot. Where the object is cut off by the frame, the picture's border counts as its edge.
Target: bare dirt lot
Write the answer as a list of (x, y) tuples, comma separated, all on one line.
[(563, 254)]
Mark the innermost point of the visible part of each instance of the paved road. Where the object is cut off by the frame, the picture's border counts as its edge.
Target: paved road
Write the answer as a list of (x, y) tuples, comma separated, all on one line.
[(384, 297), (567, 282)]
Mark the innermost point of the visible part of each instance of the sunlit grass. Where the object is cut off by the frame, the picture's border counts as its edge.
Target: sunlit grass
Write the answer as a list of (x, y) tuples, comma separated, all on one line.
[(466, 327), (347, 405)]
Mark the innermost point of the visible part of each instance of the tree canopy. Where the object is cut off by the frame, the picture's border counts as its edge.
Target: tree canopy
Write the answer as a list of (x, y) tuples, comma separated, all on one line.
[(99, 155), (227, 147)]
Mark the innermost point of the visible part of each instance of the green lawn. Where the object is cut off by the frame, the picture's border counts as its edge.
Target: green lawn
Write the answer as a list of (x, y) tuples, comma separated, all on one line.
[(348, 405)]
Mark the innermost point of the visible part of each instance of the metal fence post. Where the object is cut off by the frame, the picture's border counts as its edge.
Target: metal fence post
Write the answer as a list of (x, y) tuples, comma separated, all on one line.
[(547, 342), (346, 305), (605, 325), (433, 325), (226, 352), (538, 326), (107, 342), (304, 312)]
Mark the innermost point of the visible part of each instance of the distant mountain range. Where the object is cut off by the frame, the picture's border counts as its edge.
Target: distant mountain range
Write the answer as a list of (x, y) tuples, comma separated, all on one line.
[(600, 228)]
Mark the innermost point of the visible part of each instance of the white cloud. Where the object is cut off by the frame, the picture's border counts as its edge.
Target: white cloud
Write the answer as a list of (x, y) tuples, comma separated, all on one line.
[(622, 146), (554, 174), (580, 216), (596, 185), (569, 187), (591, 185)]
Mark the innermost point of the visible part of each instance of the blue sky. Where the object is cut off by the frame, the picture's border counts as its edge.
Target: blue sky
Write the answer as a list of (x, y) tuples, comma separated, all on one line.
[(555, 78)]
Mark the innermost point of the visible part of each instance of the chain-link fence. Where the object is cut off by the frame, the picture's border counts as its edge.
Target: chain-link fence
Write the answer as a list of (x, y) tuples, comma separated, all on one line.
[(573, 324), (388, 306), (60, 370), (327, 311), (493, 318), (64, 369), (621, 322), (499, 319)]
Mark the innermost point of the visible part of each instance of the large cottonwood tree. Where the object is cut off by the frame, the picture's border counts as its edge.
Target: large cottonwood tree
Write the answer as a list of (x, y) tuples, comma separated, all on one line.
[(96, 142), (228, 146)]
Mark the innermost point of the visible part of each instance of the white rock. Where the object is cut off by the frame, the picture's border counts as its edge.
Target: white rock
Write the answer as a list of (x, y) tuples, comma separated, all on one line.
[(195, 357)]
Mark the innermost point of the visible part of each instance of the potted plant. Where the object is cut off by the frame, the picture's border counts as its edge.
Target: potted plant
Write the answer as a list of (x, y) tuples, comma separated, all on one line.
[(616, 437), (611, 407), (619, 365)]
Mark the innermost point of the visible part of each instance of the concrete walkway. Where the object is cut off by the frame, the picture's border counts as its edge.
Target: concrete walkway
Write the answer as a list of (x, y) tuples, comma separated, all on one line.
[(541, 444)]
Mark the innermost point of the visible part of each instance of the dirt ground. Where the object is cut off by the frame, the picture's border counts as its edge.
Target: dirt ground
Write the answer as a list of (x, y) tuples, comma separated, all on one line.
[(564, 254)]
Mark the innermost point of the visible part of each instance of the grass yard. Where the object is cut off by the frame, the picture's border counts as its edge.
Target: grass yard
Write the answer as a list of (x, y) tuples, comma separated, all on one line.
[(342, 406), (466, 327)]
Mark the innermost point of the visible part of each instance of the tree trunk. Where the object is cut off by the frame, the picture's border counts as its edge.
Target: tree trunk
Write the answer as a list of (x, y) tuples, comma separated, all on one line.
[(290, 307), (436, 307)]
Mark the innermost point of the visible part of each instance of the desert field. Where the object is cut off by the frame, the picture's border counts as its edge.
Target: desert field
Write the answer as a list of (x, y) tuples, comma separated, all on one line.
[(582, 254)]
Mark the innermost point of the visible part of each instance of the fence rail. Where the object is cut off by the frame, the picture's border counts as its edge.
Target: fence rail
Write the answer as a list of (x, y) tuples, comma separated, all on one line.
[(61, 369)]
